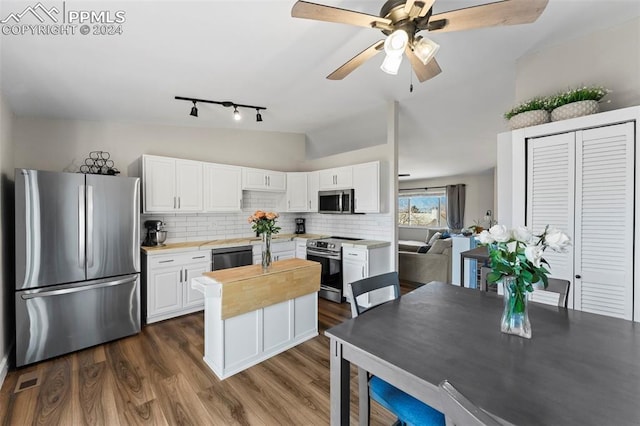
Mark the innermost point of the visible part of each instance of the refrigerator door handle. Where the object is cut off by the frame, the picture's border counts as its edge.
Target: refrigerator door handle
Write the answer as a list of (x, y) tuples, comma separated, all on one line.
[(81, 227), (76, 289), (90, 225)]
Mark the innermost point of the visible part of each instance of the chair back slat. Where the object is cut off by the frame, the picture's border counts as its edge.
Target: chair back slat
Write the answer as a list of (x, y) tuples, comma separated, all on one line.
[(460, 411), (367, 285), (539, 295)]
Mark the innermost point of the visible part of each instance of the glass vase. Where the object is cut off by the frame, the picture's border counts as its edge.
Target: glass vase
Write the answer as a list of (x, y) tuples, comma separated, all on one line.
[(515, 318), (266, 251)]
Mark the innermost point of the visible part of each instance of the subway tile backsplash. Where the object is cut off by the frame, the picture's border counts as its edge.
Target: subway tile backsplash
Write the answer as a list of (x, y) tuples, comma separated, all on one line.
[(215, 226)]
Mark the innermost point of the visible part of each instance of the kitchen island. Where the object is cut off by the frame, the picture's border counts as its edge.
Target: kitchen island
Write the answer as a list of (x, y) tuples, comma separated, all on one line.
[(251, 315)]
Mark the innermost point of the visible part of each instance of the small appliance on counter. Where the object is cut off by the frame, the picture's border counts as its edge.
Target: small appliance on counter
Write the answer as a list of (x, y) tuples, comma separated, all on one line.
[(300, 229), (156, 235)]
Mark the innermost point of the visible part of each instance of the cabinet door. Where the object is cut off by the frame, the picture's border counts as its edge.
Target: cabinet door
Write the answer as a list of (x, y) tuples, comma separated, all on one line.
[(253, 179), (366, 185), (313, 185), (189, 185), (191, 297), (297, 192), (222, 188), (301, 248), (276, 181), (159, 184), (352, 271), (604, 220), (164, 290), (327, 179), (344, 177)]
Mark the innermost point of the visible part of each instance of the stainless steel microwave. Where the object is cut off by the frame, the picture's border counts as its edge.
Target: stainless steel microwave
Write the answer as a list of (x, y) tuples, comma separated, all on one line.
[(340, 201)]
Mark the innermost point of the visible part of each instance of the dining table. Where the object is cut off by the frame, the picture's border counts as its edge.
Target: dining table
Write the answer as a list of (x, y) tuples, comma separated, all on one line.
[(578, 368)]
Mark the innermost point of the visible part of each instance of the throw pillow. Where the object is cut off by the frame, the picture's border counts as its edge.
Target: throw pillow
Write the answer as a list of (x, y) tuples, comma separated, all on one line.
[(433, 239), (424, 249), (440, 246)]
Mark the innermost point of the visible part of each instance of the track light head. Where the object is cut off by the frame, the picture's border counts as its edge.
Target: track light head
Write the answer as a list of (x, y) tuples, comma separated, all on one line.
[(258, 115), (194, 110), (236, 113)]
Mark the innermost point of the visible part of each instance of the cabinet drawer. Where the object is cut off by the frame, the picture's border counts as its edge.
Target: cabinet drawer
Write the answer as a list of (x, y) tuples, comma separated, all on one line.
[(179, 259), (354, 254)]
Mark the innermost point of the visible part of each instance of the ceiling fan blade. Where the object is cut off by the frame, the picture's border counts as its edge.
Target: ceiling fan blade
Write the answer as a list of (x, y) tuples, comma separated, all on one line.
[(423, 72), (415, 8), (319, 12), (356, 61), (507, 12)]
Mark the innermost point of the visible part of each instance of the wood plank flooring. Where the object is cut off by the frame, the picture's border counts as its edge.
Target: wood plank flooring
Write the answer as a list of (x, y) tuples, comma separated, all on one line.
[(158, 377)]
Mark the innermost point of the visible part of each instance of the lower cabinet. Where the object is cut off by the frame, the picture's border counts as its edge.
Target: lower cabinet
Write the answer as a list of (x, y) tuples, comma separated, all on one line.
[(168, 293), (361, 262), (279, 251), (301, 248)]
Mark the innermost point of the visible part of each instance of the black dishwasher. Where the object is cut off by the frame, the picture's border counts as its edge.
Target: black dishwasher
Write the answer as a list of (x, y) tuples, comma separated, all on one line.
[(231, 257)]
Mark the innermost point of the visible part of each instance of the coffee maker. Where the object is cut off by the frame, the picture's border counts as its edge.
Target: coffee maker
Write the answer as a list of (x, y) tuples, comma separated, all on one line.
[(156, 236), (300, 225)]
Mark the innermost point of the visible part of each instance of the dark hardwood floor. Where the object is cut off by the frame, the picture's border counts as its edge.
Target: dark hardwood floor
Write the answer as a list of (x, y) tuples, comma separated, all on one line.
[(158, 377)]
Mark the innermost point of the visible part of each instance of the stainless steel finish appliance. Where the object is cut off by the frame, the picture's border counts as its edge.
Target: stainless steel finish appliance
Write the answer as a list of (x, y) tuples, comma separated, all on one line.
[(328, 252), (231, 257), (77, 262), (340, 201), (156, 235)]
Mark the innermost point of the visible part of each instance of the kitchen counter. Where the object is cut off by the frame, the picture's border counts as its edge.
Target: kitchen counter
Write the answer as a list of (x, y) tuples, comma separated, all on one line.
[(366, 244), (211, 244), (251, 315)]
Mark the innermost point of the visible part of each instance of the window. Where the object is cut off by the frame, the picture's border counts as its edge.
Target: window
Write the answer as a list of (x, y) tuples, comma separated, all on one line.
[(424, 208)]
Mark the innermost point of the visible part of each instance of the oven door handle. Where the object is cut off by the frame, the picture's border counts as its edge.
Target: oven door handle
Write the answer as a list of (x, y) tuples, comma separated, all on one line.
[(323, 254)]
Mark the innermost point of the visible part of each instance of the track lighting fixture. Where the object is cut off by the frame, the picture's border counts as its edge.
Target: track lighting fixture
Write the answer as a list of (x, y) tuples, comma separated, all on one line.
[(236, 112)]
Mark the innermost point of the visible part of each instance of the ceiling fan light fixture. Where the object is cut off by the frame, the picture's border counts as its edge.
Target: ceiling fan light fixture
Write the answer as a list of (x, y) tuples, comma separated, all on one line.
[(396, 43), (425, 49), (391, 64)]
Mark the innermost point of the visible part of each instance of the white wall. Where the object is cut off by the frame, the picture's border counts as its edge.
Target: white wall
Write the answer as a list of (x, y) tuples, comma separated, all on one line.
[(57, 144), (6, 236), (479, 198), (609, 57)]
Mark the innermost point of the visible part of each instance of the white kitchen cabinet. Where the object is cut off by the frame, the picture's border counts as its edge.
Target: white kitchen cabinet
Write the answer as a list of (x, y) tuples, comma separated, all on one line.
[(171, 185), (366, 186), (222, 188), (360, 262), (338, 178), (280, 250), (297, 199), (313, 184), (263, 180), (168, 293), (301, 248)]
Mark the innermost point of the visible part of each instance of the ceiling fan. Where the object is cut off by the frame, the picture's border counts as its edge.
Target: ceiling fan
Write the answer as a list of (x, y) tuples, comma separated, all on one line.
[(402, 20)]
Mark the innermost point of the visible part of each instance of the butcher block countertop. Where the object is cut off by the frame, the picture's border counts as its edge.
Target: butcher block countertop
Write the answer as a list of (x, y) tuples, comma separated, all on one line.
[(210, 244), (247, 288)]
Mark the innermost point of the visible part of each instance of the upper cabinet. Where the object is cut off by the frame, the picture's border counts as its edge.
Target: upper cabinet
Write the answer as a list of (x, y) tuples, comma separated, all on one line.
[(312, 191), (222, 188), (338, 178), (263, 180), (297, 199), (366, 186), (171, 185)]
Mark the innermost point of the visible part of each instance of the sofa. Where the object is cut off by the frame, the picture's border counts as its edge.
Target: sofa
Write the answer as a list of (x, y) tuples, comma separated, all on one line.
[(419, 262)]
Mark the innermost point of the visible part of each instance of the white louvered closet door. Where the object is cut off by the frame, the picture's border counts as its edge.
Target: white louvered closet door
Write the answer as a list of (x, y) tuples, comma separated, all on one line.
[(550, 195), (604, 220)]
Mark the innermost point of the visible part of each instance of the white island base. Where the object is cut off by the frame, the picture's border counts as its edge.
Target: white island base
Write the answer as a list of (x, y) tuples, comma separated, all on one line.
[(236, 340)]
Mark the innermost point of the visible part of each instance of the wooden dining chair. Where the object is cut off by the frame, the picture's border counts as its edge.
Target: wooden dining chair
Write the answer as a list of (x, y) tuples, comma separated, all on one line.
[(406, 408), (460, 411)]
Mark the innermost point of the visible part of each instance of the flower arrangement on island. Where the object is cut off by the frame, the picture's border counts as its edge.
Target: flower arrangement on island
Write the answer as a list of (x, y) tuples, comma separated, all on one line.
[(264, 222), (516, 260)]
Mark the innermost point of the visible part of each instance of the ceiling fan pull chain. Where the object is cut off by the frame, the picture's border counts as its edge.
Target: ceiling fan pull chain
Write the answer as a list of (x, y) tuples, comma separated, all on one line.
[(410, 80)]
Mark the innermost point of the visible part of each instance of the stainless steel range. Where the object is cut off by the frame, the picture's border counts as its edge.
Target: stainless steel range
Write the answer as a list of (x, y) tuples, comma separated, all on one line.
[(328, 252)]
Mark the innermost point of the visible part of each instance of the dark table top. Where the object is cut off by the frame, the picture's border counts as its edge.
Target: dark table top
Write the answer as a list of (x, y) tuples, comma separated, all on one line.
[(479, 253), (578, 368)]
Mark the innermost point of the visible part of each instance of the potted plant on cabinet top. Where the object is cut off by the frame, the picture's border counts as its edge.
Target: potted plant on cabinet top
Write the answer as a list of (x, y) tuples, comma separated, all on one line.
[(576, 102), (530, 113)]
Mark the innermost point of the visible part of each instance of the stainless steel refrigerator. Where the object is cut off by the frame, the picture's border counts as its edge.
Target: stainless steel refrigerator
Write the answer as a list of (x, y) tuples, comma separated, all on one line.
[(77, 261)]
